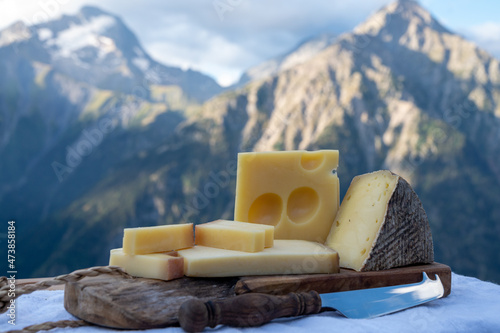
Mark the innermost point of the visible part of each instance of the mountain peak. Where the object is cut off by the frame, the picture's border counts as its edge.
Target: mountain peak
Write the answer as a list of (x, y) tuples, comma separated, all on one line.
[(92, 11), (16, 32), (399, 16), (407, 5), (96, 47), (304, 51), (408, 2)]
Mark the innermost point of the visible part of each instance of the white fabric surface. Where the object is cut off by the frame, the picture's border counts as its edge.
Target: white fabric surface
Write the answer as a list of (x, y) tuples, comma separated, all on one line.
[(473, 306)]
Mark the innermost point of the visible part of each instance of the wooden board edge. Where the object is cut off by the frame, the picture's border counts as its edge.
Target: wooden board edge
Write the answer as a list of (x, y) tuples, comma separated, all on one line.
[(91, 306), (344, 281), (86, 299)]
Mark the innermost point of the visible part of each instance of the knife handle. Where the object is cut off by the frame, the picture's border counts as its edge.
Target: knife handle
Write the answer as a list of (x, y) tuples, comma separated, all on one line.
[(252, 309)]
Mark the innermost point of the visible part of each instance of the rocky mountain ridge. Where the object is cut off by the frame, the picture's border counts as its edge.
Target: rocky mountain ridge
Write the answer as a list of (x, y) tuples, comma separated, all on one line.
[(399, 92), (97, 48), (74, 70), (301, 53)]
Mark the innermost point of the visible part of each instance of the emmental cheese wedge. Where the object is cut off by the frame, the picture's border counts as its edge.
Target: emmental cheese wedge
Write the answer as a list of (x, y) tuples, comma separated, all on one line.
[(155, 239), (295, 191), (285, 257), (163, 266), (381, 224), (233, 235)]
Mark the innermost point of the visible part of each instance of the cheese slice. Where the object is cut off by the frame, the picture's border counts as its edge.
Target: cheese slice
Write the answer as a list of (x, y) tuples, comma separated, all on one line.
[(163, 266), (158, 238), (295, 191), (238, 236), (268, 229), (381, 224), (285, 257)]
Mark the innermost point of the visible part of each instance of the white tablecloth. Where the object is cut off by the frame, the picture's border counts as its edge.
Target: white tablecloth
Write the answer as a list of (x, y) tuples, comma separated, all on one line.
[(473, 306)]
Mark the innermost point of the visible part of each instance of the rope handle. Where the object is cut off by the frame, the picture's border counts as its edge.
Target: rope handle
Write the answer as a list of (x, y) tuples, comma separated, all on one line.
[(61, 279), (51, 325)]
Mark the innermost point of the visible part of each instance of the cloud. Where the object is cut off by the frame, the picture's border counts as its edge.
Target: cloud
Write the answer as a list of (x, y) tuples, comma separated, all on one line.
[(213, 54), (224, 37), (219, 37), (486, 32), (486, 35), (34, 11)]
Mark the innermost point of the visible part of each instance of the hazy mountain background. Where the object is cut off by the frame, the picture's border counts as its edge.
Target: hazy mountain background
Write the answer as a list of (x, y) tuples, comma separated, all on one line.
[(96, 136)]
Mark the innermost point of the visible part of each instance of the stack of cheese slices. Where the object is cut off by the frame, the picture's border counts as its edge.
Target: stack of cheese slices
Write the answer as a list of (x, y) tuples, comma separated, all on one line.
[(222, 248), (288, 221)]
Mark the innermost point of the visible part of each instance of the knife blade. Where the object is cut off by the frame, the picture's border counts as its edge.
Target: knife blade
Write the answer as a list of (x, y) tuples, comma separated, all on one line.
[(369, 303), (255, 309)]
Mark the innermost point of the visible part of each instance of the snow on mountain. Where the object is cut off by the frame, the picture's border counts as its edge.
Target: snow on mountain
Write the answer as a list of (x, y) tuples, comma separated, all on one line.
[(16, 33), (88, 34), (97, 48)]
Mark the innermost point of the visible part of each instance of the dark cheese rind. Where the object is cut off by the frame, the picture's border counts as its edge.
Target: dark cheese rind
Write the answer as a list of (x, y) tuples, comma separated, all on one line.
[(405, 237)]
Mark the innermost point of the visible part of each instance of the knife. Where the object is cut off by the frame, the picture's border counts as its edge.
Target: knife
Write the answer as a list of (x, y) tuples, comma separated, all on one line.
[(255, 309)]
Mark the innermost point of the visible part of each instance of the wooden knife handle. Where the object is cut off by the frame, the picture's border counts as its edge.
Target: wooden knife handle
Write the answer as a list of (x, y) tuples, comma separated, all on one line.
[(252, 309)]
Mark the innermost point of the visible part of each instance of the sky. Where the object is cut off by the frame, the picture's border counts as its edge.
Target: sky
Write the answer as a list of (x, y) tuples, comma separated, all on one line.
[(223, 38)]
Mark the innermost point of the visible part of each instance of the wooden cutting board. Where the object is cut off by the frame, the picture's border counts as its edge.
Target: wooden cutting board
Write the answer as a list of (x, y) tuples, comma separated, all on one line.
[(137, 303)]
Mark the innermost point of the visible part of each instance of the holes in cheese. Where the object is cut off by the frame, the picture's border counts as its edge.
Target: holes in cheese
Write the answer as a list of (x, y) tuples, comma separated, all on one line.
[(163, 266), (266, 209), (232, 235), (295, 191), (312, 160), (162, 238), (381, 224), (302, 204), (285, 257)]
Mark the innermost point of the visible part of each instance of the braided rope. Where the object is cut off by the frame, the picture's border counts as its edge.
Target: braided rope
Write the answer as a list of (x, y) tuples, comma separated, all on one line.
[(51, 325), (61, 279)]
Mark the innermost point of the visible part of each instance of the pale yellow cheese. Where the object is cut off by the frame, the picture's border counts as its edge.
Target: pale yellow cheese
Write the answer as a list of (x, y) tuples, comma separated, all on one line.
[(232, 235), (163, 266), (268, 229), (381, 224), (360, 217), (295, 191), (158, 238), (285, 257)]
